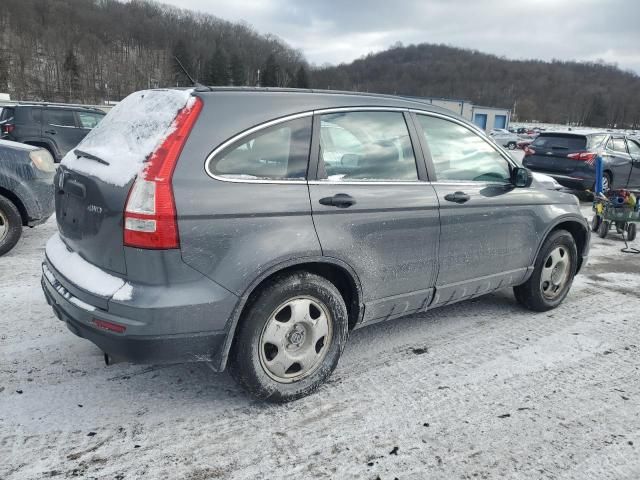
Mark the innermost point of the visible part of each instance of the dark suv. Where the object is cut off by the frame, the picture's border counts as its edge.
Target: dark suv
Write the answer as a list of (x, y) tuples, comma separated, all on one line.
[(569, 157), (262, 226), (57, 128)]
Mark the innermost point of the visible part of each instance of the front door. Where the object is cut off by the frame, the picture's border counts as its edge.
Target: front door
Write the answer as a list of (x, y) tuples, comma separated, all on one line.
[(490, 230), (374, 210)]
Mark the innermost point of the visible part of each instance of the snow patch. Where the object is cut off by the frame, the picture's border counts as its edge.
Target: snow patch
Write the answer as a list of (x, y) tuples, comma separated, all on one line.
[(129, 134), (22, 146), (80, 272), (124, 293)]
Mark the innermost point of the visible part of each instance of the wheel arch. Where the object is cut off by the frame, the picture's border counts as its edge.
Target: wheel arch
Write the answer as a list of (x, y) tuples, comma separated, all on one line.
[(336, 271), (578, 229), (11, 196)]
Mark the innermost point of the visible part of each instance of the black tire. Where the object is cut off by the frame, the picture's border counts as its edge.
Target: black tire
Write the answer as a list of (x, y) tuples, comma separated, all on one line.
[(609, 179), (245, 360), (530, 293), (604, 228), (631, 232), (595, 222), (512, 145), (10, 225)]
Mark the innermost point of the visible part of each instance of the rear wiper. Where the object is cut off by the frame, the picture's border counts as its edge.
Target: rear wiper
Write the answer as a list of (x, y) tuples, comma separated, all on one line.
[(80, 153), (559, 147)]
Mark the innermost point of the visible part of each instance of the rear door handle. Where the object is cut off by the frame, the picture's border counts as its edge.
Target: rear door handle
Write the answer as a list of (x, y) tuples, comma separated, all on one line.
[(52, 132), (457, 197), (340, 200)]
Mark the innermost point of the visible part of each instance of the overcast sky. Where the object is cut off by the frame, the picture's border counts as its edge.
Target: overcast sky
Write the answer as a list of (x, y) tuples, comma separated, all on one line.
[(334, 31)]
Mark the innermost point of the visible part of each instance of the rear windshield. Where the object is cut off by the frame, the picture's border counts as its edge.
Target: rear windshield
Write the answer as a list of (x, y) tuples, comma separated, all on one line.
[(127, 136), (561, 142)]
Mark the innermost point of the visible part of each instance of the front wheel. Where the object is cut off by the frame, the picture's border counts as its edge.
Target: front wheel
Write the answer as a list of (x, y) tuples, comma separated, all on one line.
[(553, 273), (10, 225), (512, 145), (290, 338), (631, 232)]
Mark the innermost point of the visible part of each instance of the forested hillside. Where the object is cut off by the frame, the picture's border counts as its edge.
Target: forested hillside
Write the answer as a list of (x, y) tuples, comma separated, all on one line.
[(556, 92), (95, 50)]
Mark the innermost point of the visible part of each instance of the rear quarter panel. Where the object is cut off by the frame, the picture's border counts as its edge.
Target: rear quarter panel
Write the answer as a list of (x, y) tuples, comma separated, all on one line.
[(234, 231)]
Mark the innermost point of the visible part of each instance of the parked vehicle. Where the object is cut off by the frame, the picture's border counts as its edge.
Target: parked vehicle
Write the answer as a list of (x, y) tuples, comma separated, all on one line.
[(257, 228), (524, 143), (569, 157), (56, 128), (504, 138), (26, 190)]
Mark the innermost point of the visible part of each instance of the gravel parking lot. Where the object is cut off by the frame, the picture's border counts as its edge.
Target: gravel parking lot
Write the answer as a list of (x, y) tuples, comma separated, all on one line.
[(482, 389)]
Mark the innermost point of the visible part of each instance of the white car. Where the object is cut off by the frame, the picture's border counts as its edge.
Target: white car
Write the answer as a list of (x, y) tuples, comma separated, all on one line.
[(504, 137)]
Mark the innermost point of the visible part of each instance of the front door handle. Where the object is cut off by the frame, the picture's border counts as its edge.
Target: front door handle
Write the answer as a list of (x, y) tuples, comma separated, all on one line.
[(340, 200), (457, 197), (51, 132)]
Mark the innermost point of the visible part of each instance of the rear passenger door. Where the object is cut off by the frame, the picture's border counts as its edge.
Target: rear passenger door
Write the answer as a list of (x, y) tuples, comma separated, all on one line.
[(374, 209), (59, 127), (490, 230)]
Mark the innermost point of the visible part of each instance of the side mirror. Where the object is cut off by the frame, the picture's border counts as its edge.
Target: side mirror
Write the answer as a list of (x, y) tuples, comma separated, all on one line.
[(521, 177)]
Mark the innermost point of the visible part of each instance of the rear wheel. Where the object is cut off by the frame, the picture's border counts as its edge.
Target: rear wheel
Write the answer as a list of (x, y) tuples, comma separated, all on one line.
[(604, 228), (289, 338), (595, 223), (10, 225), (606, 182), (631, 232), (553, 273)]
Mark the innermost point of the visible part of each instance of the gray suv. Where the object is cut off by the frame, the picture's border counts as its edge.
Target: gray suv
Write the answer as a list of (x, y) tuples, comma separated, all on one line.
[(257, 228)]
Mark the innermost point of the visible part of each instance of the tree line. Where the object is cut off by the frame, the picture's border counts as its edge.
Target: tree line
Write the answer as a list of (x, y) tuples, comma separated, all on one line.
[(577, 93), (91, 51)]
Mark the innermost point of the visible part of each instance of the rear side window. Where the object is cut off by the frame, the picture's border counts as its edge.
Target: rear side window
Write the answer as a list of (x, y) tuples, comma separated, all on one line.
[(89, 119), (366, 146), (6, 113), (596, 140), (280, 152), (561, 142), (59, 117), (460, 154)]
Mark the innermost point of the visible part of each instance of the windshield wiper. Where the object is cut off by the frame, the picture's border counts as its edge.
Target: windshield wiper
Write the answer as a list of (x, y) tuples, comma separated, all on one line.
[(80, 153)]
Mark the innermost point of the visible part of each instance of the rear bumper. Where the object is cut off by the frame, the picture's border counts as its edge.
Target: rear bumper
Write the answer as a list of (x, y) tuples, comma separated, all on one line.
[(145, 337)]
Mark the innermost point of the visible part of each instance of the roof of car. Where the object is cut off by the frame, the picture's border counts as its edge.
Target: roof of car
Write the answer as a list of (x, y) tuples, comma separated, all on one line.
[(310, 99)]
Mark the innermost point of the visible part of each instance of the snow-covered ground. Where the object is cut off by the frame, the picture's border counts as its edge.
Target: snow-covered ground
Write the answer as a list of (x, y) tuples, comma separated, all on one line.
[(482, 389)]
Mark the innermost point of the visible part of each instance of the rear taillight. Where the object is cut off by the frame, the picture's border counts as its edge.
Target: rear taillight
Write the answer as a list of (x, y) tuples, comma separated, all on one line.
[(150, 212), (8, 128), (588, 157), (528, 151)]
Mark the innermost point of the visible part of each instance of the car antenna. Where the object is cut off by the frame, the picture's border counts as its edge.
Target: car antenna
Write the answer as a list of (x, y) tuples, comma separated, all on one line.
[(184, 70)]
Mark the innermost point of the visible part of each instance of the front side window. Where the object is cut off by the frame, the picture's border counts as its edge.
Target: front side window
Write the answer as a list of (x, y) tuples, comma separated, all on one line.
[(366, 146), (459, 154), (59, 117), (634, 148), (280, 152)]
